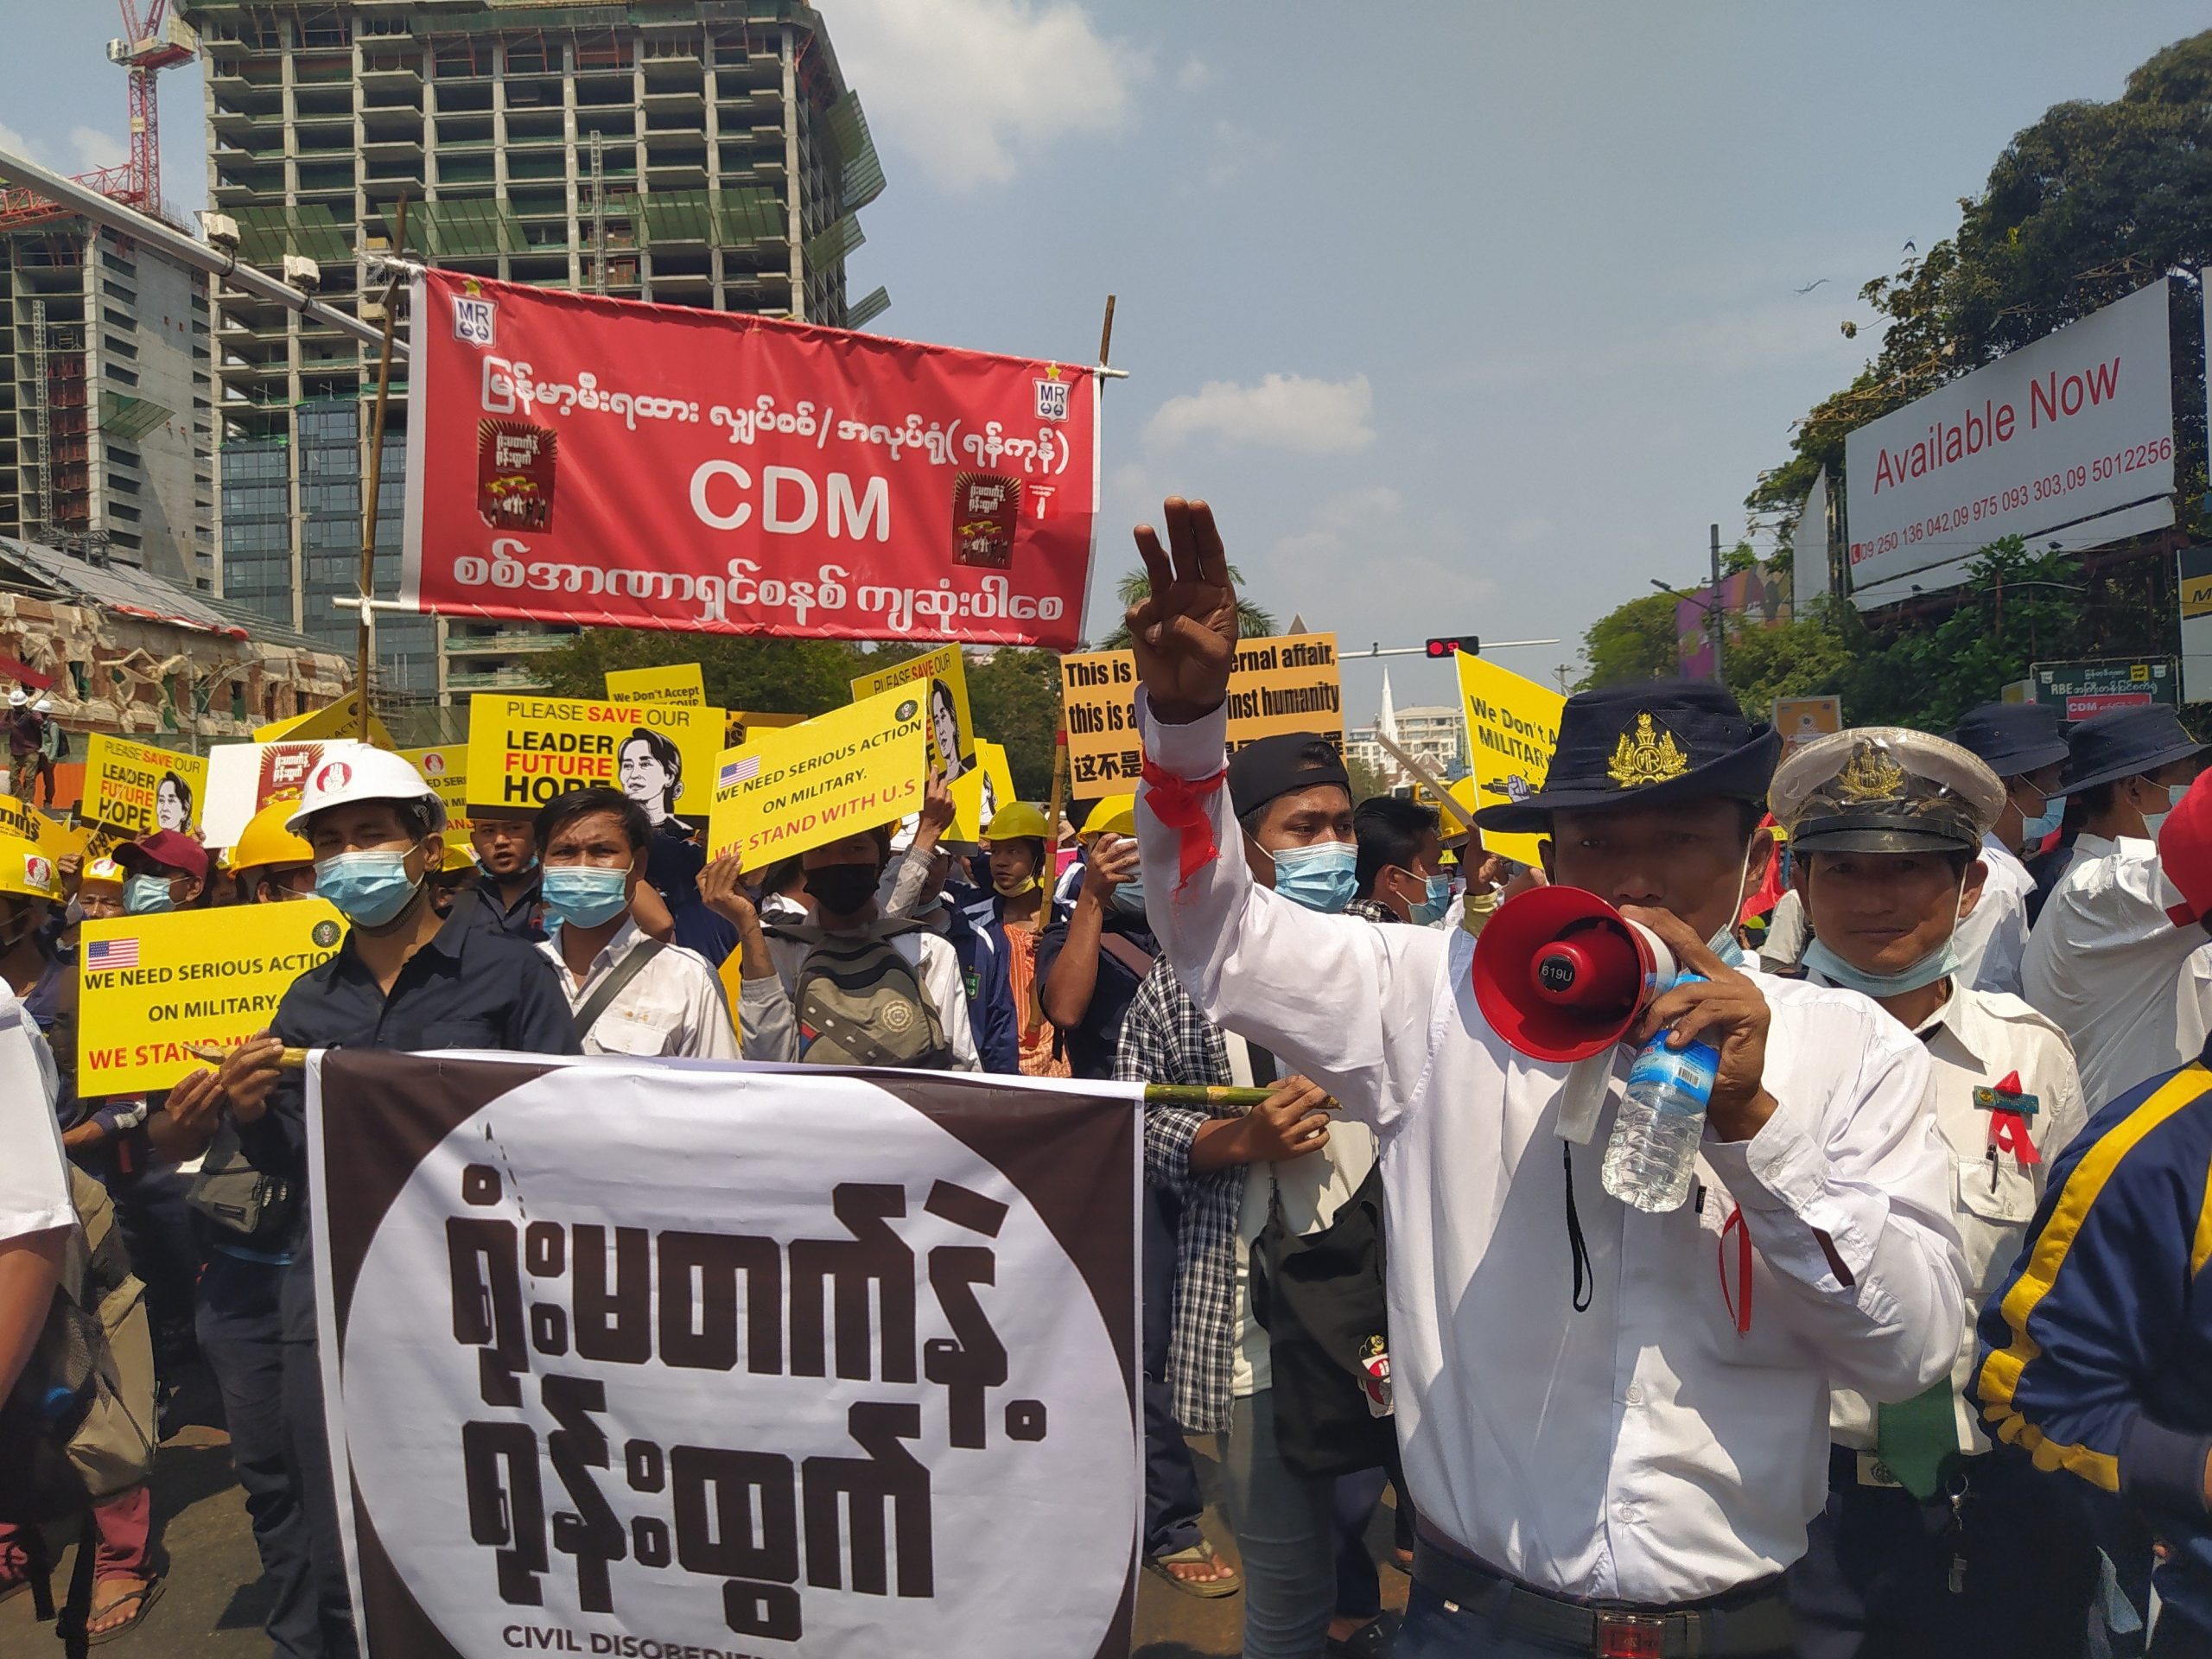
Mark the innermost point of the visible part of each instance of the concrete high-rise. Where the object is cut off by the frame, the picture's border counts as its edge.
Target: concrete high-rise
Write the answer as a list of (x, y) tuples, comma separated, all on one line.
[(106, 422), (689, 152)]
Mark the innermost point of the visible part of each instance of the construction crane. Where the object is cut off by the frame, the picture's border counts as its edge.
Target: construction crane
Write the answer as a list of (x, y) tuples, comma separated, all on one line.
[(152, 41)]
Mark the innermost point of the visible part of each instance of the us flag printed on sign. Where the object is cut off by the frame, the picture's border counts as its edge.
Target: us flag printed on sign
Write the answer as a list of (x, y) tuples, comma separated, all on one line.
[(111, 953), (740, 772)]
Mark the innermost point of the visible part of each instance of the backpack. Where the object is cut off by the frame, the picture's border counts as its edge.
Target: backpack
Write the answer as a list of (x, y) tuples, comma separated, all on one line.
[(78, 1426), (859, 1002), (253, 1208), (60, 742)]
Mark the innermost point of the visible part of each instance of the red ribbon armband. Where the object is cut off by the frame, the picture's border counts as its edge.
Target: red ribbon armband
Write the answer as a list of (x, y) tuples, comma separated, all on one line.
[(1181, 805)]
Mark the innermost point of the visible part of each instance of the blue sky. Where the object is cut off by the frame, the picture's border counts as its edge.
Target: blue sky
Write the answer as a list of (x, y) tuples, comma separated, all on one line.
[(1467, 317)]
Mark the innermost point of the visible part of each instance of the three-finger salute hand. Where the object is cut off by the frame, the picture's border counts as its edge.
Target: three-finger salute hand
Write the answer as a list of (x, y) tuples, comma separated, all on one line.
[(1291, 1123), (1184, 631), (1725, 1011)]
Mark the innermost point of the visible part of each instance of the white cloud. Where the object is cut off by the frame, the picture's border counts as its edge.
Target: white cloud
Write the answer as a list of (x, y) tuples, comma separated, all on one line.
[(1195, 76), (1235, 151), (972, 88), (1365, 567), (1283, 412), (95, 149)]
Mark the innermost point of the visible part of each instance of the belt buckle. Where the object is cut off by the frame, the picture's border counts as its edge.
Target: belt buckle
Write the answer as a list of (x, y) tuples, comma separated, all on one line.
[(1630, 1636)]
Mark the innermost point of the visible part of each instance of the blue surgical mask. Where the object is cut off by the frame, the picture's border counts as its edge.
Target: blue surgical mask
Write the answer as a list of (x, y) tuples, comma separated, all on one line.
[(1726, 945), (1432, 908), (2152, 820), (369, 887), (1940, 964), (147, 895), (1129, 898), (2034, 829), (1321, 877), (583, 897)]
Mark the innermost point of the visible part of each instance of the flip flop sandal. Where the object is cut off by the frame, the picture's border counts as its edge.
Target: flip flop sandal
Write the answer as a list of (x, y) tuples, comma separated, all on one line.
[(144, 1594), (1199, 1555)]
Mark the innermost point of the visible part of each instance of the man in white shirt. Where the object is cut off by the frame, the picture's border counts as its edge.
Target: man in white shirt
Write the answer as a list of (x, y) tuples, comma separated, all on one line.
[(2130, 987), (1639, 1471), (631, 994), (2021, 742), (36, 1213), (1932, 1543)]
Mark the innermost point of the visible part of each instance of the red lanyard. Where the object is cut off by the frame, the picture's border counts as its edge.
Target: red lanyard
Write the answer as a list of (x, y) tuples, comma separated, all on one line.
[(1741, 1314)]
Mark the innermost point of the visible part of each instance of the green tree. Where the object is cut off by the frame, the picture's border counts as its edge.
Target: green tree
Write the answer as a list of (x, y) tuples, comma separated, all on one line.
[(1367, 780), (1253, 622), (1634, 641), (2086, 206), (789, 676), (1015, 700)]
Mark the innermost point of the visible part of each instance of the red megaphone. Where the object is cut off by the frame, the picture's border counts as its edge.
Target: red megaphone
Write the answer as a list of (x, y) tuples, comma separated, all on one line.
[(1560, 974)]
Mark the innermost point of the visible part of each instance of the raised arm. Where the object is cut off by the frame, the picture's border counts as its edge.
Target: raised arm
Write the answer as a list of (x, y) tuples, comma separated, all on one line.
[(1346, 1003)]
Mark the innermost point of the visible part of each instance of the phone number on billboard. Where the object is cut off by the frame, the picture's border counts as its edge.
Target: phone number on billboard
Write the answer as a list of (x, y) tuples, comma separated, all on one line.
[(2052, 487)]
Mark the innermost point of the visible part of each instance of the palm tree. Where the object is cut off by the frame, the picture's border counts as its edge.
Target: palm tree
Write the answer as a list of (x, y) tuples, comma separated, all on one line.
[(1252, 622)]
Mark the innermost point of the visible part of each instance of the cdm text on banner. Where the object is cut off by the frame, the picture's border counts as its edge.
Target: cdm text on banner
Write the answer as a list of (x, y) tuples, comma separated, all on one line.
[(583, 459), (797, 1361)]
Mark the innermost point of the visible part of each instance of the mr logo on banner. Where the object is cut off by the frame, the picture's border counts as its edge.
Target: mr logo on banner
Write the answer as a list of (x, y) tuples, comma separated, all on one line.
[(797, 1361)]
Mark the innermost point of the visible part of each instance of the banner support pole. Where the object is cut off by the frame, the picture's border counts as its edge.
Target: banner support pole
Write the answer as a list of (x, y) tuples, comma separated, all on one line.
[(365, 640), (1059, 794)]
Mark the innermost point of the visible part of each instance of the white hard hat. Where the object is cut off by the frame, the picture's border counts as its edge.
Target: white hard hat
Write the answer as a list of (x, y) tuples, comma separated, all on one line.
[(16, 699), (43, 706), (364, 774)]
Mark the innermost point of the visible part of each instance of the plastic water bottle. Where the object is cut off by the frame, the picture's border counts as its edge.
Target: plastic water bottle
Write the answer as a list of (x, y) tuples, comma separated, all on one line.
[(1649, 1159)]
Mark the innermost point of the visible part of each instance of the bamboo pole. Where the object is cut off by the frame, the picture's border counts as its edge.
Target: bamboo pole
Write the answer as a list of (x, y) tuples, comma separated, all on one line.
[(366, 640)]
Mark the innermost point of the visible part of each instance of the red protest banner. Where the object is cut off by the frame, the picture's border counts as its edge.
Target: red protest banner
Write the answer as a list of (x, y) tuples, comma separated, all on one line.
[(576, 458)]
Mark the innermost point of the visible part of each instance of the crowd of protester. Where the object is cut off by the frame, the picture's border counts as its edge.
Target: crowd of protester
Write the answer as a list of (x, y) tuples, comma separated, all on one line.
[(1958, 987)]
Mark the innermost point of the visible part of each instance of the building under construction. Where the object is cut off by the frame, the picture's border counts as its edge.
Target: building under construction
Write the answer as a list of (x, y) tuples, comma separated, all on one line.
[(689, 152), (106, 408)]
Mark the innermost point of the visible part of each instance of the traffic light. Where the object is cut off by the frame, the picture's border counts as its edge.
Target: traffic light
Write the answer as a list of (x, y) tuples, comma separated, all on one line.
[(1452, 647)]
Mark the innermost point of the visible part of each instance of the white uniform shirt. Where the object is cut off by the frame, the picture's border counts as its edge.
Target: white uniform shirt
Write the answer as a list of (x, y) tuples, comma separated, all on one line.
[(1976, 1040), (673, 1006), (1994, 936), (33, 1173), (2132, 991), (1641, 1449)]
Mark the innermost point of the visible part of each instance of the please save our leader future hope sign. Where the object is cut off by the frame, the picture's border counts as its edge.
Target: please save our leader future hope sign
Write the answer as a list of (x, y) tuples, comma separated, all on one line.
[(582, 459)]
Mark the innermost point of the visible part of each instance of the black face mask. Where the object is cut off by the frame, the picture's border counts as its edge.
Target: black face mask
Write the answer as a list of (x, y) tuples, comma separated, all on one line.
[(842, 889)]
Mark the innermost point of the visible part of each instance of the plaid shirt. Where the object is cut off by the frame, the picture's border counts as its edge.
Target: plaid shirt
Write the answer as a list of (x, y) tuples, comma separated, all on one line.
[(1372, 909), (1166, 1040)]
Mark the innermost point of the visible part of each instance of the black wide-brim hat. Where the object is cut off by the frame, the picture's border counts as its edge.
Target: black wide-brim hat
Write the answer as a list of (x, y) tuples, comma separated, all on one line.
[(2125, 743), (2013, 738), (1645, 745)]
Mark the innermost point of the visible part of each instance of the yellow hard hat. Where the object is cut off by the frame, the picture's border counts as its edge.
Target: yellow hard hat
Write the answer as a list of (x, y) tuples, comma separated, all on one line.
[(458, 858), (1017, 821), (1463, 797), (27, 872), (104, 871), (1117, 815), (267, 839)]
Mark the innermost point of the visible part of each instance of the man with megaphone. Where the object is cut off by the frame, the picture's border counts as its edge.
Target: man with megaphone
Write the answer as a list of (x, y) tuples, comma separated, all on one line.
[(1613, 1449)]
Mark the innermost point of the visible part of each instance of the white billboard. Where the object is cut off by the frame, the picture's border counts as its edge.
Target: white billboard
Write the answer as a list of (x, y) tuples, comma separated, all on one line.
[(2071, 439)]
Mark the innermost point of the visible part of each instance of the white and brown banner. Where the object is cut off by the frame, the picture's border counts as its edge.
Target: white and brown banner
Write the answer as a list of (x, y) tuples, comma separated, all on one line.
[(672, 1360)]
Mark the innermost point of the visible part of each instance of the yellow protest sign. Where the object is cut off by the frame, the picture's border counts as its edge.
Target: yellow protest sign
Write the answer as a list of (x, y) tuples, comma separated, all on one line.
[(846, 770), (522, 751), (951, 734), (680, 683), (339, 719), (1512, 729), (738, 724), (137, 787), (1287, 683), (445, 770), (152, 984), (50, 836), (1800, 720)]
